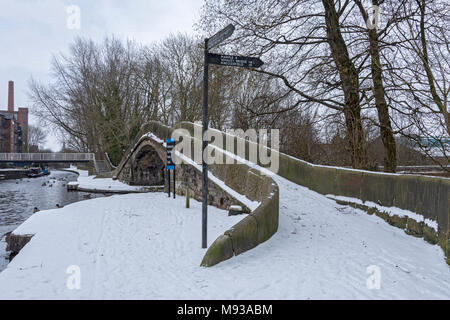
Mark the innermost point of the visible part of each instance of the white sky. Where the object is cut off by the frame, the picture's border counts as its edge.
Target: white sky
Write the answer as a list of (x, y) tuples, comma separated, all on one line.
[(32, 30)]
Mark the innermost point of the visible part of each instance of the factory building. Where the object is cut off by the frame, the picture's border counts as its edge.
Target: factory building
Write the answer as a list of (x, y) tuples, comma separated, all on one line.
[(13, 126)]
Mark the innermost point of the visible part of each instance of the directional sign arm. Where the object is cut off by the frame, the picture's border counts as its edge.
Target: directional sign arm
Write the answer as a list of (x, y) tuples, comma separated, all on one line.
[(219, 37), (234, 61)]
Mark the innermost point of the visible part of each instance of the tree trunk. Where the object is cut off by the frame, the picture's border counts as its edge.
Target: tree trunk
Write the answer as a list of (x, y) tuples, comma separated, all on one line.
[(350, 86), (387, 136)]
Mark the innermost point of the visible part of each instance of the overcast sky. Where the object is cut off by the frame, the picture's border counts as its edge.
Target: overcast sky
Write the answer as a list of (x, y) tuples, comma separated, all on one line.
[(32, 30)]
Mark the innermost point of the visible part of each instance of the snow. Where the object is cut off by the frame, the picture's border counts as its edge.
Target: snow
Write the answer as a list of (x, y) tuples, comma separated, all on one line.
[(102, 184), (391, 211), (126, 246), (147, 246), (153, 136), (105, 184)]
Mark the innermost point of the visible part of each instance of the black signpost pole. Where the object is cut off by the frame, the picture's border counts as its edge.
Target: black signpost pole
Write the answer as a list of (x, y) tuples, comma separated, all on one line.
[(168, 180), (170, 144), (222, 60), (174, 181), (204, 147)]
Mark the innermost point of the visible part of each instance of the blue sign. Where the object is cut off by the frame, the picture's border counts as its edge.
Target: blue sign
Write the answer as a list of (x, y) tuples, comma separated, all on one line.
[(170, 144)]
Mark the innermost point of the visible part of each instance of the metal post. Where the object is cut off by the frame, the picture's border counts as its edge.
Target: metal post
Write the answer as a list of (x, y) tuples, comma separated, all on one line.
[(168, 181), (204, 147), (174, 182)]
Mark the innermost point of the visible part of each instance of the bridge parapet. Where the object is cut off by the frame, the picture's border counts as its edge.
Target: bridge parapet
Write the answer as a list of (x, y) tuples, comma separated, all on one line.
[(428, 198)]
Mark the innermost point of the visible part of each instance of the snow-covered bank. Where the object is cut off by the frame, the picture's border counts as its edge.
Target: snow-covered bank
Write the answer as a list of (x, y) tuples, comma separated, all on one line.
[(89, 183), (147, 246), (122, 244)]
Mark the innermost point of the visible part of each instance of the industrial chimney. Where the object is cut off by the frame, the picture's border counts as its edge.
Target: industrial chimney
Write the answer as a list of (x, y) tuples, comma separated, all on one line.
[(11, 96)]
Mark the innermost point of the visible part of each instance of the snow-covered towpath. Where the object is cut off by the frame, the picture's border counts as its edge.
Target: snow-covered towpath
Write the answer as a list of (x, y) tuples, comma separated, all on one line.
[(147, 246), (93, 184)]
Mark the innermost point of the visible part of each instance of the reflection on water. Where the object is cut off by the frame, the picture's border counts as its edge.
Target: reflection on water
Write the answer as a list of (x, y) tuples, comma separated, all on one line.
[(19, 197)]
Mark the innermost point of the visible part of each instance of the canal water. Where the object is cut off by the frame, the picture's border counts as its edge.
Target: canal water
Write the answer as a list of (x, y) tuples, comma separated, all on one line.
[(19, 197)]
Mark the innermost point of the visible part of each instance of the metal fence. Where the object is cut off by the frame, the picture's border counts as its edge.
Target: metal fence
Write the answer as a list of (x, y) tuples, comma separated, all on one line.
[(43, 157)]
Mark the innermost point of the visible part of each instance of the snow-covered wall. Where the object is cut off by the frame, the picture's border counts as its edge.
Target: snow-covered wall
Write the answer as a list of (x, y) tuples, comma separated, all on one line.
[(418, 204), (259, 226), (424, 201)]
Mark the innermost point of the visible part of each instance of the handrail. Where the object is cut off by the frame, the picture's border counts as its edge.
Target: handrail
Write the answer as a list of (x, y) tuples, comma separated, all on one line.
[(13, 157)]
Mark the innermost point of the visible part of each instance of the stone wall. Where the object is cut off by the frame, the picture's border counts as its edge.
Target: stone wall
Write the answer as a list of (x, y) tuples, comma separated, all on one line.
[(426, 196), (190, 178), (15, 243), (14, 174)]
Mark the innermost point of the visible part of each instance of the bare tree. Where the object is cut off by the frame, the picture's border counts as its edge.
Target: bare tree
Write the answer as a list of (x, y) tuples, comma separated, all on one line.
[(93, 96), (419, 77), (36, 137), (303, 42)]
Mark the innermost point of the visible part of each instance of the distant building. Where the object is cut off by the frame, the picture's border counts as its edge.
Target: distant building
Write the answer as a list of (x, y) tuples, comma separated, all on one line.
[(13, 126)]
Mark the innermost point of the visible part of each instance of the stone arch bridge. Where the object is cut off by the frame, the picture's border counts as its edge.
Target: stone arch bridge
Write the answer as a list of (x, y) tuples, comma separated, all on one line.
[(428, 198)]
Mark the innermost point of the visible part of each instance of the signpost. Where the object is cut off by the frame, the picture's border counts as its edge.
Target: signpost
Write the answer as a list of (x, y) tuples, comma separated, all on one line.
[(223, 60), (204, 146), (170, 144)]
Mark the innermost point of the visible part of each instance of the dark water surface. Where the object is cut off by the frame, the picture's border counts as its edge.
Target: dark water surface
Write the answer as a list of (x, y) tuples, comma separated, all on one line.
[(19, 197)]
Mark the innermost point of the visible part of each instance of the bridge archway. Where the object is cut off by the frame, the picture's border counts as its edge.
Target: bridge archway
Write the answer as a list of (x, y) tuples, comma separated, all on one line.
[(148, 165)]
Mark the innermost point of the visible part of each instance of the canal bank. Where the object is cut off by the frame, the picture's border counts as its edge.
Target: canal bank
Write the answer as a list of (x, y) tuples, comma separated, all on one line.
[(18, 198), (10, 174), (46, 193), (90, 183)]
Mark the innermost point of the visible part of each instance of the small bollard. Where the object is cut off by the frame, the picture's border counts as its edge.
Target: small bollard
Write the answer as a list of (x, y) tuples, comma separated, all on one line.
[(188, 195)]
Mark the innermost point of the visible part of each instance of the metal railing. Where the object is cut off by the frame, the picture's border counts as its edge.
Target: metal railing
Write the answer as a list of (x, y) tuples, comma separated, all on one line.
[(30, 157)]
